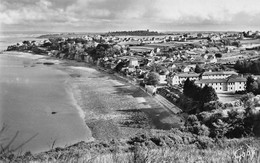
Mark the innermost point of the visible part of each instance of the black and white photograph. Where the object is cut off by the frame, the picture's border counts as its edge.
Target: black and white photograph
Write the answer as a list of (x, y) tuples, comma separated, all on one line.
[(130, 81)]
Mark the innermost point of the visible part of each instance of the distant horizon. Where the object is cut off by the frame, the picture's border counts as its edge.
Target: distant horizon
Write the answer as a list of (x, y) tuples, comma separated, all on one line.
[(160, 31)]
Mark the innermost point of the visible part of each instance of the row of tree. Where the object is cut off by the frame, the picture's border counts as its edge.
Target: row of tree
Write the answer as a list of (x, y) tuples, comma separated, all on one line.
[(253, 85), (203, 95), (133, 33), (248, 66)]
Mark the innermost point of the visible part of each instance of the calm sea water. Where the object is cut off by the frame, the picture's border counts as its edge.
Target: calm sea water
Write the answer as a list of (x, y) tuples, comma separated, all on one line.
[(13, 37), (28, 97)]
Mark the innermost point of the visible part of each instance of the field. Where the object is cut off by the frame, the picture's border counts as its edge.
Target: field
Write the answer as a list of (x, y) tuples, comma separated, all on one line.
[(227, 98), (141, 48)]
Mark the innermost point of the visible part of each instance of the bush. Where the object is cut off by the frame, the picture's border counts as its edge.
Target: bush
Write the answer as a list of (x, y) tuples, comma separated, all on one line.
[(204, 142), (152, 78)]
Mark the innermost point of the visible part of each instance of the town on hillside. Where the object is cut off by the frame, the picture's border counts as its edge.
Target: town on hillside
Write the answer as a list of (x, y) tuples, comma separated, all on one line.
[(215, 59), (209, 79)]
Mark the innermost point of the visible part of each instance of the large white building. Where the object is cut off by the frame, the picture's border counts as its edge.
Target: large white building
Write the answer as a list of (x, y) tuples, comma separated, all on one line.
[(223, 81), (230, 84)]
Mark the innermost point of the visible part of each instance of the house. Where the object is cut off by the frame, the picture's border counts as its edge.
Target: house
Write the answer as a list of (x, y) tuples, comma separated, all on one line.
[(230, 84), (133, 62), (157, 50), (186, 69), (212, 60), (189, 67), (162, 79)]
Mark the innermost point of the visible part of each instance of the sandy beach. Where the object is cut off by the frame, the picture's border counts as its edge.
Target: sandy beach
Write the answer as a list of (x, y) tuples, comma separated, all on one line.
[(113, 108), (110, 107)]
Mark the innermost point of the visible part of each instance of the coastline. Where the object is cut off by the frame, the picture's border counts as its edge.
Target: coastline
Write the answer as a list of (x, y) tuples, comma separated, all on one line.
[(109, 133), (108, 103)]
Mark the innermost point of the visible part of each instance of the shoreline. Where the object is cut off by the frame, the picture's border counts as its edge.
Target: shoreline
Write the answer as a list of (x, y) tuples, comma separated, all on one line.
[(42, 59), (111, 108)]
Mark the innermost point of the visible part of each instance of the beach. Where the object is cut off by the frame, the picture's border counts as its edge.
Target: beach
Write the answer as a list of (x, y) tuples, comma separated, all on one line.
[(110, 107)]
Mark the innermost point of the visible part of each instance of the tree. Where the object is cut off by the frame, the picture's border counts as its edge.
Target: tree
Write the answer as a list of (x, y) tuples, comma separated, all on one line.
[(190, 89), (119, 66), (208, 94), (187, 87), (199, 35), (198, 69), (255, 67), (26, 42), (218, 55), (152, 78), (251, 84)]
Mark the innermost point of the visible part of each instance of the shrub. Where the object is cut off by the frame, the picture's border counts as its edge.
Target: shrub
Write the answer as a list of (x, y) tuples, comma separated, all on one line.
[(152, 78)]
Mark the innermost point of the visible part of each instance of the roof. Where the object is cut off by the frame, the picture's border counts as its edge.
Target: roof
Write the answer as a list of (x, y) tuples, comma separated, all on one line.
[(220, 73), (187, 75), (131, 57), (228, 80), (206, 81), (239, 79)]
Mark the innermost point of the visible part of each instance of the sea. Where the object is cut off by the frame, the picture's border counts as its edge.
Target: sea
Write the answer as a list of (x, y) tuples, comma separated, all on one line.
[(37, 108), (13, 37)]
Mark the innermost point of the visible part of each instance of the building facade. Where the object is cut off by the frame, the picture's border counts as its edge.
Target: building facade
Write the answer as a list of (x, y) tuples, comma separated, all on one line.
[(223, 81), (232, 84)]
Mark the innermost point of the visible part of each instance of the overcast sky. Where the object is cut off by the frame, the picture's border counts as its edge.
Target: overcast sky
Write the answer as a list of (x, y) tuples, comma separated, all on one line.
[(110, 15)]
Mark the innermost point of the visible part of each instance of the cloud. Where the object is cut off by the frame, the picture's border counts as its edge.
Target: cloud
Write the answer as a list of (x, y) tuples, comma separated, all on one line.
[(129, 14)]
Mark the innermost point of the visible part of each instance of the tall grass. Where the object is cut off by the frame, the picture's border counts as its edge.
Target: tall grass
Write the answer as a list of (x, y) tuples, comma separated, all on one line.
[(184, 154), (7, 150)]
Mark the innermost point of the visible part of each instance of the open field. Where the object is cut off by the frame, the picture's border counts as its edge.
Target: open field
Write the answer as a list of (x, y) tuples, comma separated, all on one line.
[(140, 48), (228, 97)]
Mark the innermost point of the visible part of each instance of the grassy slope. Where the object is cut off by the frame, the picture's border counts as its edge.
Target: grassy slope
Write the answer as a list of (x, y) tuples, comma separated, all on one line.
[(154, 146)]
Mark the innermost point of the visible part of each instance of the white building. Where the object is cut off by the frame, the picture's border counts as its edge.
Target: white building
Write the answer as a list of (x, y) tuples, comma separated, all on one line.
[(231, 84), (180, 78)]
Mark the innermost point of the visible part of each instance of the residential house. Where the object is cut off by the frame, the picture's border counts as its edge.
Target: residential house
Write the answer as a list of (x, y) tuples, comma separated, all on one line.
[(186, 69), (133, 62), (162, 79)]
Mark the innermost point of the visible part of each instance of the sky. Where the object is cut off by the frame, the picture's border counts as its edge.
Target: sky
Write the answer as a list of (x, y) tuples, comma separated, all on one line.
[(116, 15)]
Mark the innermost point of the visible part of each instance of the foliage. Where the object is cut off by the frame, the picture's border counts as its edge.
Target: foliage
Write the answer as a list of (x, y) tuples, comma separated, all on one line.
[(208, 94), (152, 78), (218, 55), (248, 66), (198, 69), (133, 33), (251, 85), (203, 95)]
